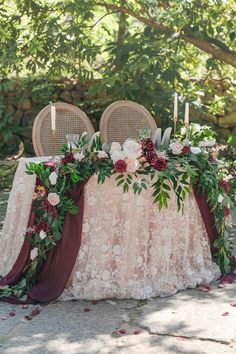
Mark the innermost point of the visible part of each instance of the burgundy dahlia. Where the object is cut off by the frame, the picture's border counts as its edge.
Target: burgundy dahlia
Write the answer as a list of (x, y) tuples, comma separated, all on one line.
[(69, 157), (147, 144), (42, 225), (120, 166), (50, 209), (226, 212), (225, 185), (160, 164), (151, 157), (186, 150)]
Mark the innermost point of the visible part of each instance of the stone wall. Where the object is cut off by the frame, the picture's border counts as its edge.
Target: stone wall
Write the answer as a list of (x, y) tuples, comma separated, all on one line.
[(22, 100)]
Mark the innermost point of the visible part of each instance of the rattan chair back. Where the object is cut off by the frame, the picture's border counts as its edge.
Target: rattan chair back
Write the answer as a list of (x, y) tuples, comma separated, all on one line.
[(124, 119), (69, 120)]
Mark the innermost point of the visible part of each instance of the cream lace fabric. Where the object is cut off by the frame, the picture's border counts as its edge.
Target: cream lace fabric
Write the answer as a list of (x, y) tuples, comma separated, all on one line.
[(129, 249)]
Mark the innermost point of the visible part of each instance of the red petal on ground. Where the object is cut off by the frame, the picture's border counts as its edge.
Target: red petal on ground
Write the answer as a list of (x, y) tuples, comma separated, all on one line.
[(233, 304), (225, 314), (35, 312), (137, 331), (28, 318), (204, 289), (94, 302), (121, 331), (87, 309), (224, 285), (12, 313)]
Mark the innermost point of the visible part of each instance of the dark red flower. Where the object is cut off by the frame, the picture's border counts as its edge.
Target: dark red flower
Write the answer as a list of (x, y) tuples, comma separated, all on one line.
[(151, 157), (226, 212), (160, 164), (69, 157), (186, 150), (42, 225), (225, 185), (147, 144), (120, 166), (50, 209)]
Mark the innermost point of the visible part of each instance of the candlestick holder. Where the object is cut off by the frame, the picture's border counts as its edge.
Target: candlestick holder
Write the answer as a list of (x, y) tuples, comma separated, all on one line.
[(187, 130), (53, 144)]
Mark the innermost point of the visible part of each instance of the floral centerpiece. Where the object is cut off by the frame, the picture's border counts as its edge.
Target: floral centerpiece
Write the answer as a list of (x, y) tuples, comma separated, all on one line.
[(137, 165)]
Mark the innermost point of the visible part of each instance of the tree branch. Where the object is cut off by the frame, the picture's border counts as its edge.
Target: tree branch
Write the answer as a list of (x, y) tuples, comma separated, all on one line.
[(208, 47)]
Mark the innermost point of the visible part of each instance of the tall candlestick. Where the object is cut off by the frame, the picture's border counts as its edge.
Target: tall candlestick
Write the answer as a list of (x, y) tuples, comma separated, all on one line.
[(53, 118), (186, 115), (176, 107)]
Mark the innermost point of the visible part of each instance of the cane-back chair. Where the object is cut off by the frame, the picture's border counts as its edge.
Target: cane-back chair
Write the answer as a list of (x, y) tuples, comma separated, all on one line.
[(69, 120), (124, 119)]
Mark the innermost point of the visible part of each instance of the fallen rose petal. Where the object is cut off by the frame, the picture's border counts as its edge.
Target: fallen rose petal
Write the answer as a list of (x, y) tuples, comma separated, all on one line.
[(224, 285), (87, 309), (35, 311), (28, 318), (233, 304), (121, 331), (204, 289), (225, 314), (12, 313), (137, 331), (24, 306), (94, 302)]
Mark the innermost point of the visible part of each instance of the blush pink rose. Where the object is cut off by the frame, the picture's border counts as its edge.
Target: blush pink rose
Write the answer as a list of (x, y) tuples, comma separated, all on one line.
[(132, 165), (53, 199)]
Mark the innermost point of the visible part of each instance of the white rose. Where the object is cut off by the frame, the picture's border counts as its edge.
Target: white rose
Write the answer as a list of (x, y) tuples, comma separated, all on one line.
[(117, 155), (33, 253), (53, 178), (176, 148), (195, 150), (42, 235), (132, 165), (53, 198), (132, 149), (115, 147), (102, 154), (207, 143), (79, 156), (220, 198)]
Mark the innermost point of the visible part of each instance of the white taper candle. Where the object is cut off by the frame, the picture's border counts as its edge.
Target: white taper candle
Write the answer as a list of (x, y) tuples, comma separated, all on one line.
[(175, 107), (186, 115), (53, 118)]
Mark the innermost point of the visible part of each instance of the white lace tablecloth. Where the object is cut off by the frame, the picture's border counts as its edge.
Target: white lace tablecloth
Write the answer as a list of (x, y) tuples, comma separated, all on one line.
[(129, 249)]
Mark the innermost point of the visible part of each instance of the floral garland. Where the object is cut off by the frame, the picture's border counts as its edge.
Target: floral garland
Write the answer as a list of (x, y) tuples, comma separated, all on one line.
[(138, 165)]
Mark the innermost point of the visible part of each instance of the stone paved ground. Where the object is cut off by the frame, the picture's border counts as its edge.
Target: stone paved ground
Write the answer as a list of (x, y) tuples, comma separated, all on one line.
[(191, 322)]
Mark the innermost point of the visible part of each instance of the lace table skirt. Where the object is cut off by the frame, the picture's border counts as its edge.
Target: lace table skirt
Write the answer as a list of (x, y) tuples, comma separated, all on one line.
[(129, 249)]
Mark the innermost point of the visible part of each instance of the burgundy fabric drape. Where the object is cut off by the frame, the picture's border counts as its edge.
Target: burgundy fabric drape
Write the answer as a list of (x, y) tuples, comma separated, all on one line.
[(55, 272), (208, 218)]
